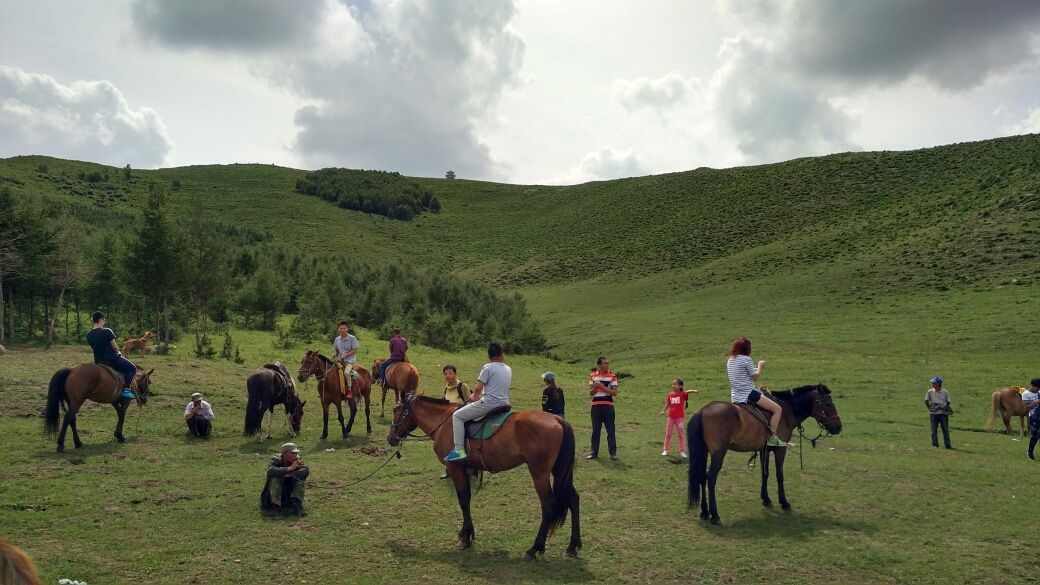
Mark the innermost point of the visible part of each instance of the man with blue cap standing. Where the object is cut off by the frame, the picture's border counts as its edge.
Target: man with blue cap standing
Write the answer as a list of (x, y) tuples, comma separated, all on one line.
[(938, 402)]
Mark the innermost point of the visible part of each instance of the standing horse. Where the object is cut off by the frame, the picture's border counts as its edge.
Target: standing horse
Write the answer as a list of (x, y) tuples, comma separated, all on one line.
[(1008, 402), (266, 390), (71, 387), (543, 441), (326, 373), (401, 377), (719, 427)]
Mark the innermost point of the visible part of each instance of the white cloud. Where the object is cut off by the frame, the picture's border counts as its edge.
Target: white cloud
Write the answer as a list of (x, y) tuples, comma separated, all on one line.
[(603, 164), (85, 120), (1028, 125), (663, 92)]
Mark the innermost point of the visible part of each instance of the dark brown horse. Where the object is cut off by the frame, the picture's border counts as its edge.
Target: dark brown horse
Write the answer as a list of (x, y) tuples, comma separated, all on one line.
[(1008, 403), (326, 373), (401, 377), (266, 390), (543, 441), (71, 387), (719, 427)]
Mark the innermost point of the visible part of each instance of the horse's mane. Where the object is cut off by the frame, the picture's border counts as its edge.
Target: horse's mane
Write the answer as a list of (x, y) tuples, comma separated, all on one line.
[(432, 400), (790, 395), (324, 360), (15, 566)]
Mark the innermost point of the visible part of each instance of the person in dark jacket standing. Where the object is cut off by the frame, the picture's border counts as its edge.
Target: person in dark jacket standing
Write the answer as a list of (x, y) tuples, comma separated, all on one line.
[(552, 395), (286, 478)]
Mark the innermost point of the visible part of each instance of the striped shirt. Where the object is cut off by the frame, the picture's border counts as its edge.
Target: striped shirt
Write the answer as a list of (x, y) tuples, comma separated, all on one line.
[(609, 380), (740, 370)]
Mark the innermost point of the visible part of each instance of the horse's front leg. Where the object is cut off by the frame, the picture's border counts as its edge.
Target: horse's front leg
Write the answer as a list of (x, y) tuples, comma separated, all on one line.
[(324, 419), (541, 485), (382, 404), (763, 456), (270, 419), (120, 407), (342, 427), (781, 455), (288, 422), (460, 478), (368, 418)]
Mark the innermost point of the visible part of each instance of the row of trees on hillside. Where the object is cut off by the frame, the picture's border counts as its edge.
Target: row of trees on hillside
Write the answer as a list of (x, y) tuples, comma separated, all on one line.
[(172, 275), (377, 192)]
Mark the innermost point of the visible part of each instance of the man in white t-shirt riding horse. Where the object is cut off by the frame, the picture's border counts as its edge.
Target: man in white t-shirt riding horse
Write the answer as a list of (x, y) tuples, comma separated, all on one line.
[(491, 392)]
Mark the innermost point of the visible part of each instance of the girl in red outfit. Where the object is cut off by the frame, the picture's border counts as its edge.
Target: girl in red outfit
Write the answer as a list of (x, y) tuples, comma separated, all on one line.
[(674, 405)]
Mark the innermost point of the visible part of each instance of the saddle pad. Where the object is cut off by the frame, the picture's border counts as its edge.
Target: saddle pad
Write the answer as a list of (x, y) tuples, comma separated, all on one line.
[(486, 427), (756, 412), (115, 374)]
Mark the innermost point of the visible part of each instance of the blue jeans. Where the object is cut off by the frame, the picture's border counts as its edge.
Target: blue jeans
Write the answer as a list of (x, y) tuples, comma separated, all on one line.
[(125, 367), (383, 366)]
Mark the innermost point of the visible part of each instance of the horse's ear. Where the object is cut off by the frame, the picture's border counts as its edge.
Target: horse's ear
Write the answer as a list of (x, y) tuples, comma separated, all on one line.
[(302, 404), (149, 374)]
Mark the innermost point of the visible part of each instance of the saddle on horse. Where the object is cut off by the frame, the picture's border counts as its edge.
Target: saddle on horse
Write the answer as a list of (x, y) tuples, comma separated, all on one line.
[(283, 377), (761, 415), (486, 426), (118, 377)]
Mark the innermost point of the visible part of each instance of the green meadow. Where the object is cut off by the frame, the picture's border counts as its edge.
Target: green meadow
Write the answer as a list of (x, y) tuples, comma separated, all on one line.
[(867, 272)]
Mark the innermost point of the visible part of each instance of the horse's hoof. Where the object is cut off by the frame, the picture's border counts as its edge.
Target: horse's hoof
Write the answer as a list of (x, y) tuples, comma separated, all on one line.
[(571, 552), (120, 438), (529, 556), (463, 545), (767, 503), (79, 445), (785, 506), (716, 521), (60, 449)]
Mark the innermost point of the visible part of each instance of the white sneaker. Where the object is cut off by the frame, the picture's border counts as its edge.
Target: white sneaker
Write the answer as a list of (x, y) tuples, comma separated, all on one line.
[(683, 455), (664, 453)]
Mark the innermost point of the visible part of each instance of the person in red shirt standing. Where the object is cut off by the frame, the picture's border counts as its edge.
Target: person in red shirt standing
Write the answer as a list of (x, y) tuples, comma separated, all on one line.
[(675, 405), (398, 351), (603, 389)]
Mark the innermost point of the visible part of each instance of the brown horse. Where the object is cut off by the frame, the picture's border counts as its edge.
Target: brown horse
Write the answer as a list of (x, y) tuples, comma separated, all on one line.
[(71, 387), (16, 568), (140, 343), (1008, 402), (543, 441), (719, 427), (401, 377), (326, 373)]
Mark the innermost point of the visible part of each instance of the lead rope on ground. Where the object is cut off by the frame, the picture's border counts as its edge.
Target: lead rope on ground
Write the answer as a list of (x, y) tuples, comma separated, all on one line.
[(330, 486)]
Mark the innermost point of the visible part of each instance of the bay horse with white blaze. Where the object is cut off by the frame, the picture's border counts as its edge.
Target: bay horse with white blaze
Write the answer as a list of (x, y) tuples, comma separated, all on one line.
[(545, 442), (266, 390), (71, 387), (719, 427), (326, 373), (401, 377)]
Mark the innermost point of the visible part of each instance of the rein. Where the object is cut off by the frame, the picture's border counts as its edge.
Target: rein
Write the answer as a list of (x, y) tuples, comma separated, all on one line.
[(330, 486)]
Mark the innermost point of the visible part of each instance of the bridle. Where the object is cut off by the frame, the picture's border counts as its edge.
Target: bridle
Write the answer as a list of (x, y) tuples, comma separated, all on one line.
[(819, 414), (314, 359), (406, 413)]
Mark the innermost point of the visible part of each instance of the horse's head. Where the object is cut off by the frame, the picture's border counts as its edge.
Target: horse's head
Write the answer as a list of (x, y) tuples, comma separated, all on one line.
[(824, 411), (403, 422), (309, 366), (295, 410), (143, 380)]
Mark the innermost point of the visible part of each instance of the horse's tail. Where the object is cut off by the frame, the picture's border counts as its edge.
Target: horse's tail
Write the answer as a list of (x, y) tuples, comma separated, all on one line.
[(255, 405), (563, 480), (16, 567), (994, 409), (698, 451), (55, 395)]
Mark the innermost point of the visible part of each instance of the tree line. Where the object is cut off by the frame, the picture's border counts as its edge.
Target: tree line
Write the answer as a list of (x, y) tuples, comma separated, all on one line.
[(377, 192), (180, 276)]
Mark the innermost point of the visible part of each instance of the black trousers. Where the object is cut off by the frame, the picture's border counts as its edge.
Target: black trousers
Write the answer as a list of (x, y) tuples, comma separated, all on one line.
[(199, 426), (942, 420), (603, 416)]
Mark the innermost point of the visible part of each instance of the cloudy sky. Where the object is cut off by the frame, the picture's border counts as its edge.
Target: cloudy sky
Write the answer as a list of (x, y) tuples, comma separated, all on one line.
[(511, 90)]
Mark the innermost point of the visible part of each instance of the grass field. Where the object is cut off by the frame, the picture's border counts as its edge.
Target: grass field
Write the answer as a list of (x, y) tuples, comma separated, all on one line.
[(869, 272), (875, 505)]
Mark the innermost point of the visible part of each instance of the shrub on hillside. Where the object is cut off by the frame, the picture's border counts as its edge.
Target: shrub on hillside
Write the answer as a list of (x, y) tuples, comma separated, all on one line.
[(376, 192)]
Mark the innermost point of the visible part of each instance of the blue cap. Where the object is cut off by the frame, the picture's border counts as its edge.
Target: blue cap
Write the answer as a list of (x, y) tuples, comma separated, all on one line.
[(937, 380)]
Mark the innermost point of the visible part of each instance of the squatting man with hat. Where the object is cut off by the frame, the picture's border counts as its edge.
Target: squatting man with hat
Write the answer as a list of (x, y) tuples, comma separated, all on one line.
[(286, 478), (198, 415)]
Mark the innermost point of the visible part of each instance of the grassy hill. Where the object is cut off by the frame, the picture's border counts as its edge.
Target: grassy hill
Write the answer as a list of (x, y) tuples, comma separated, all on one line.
[(869, 272)]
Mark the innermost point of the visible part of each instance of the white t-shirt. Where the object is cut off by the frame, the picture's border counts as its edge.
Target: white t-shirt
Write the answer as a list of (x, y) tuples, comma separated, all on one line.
[(1030, 396), (740, 370), (496, 377)]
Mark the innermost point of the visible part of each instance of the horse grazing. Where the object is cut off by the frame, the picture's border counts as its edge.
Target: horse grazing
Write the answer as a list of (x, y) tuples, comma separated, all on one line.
[(326, 373), (140, 343), (71, 387), (401, 377), (266, 389), (1008, 402), (719, 427), (543, 441), (16, 568)]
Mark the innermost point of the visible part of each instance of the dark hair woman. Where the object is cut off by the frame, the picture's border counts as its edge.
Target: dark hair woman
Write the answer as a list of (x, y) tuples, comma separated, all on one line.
[(743, 373)]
